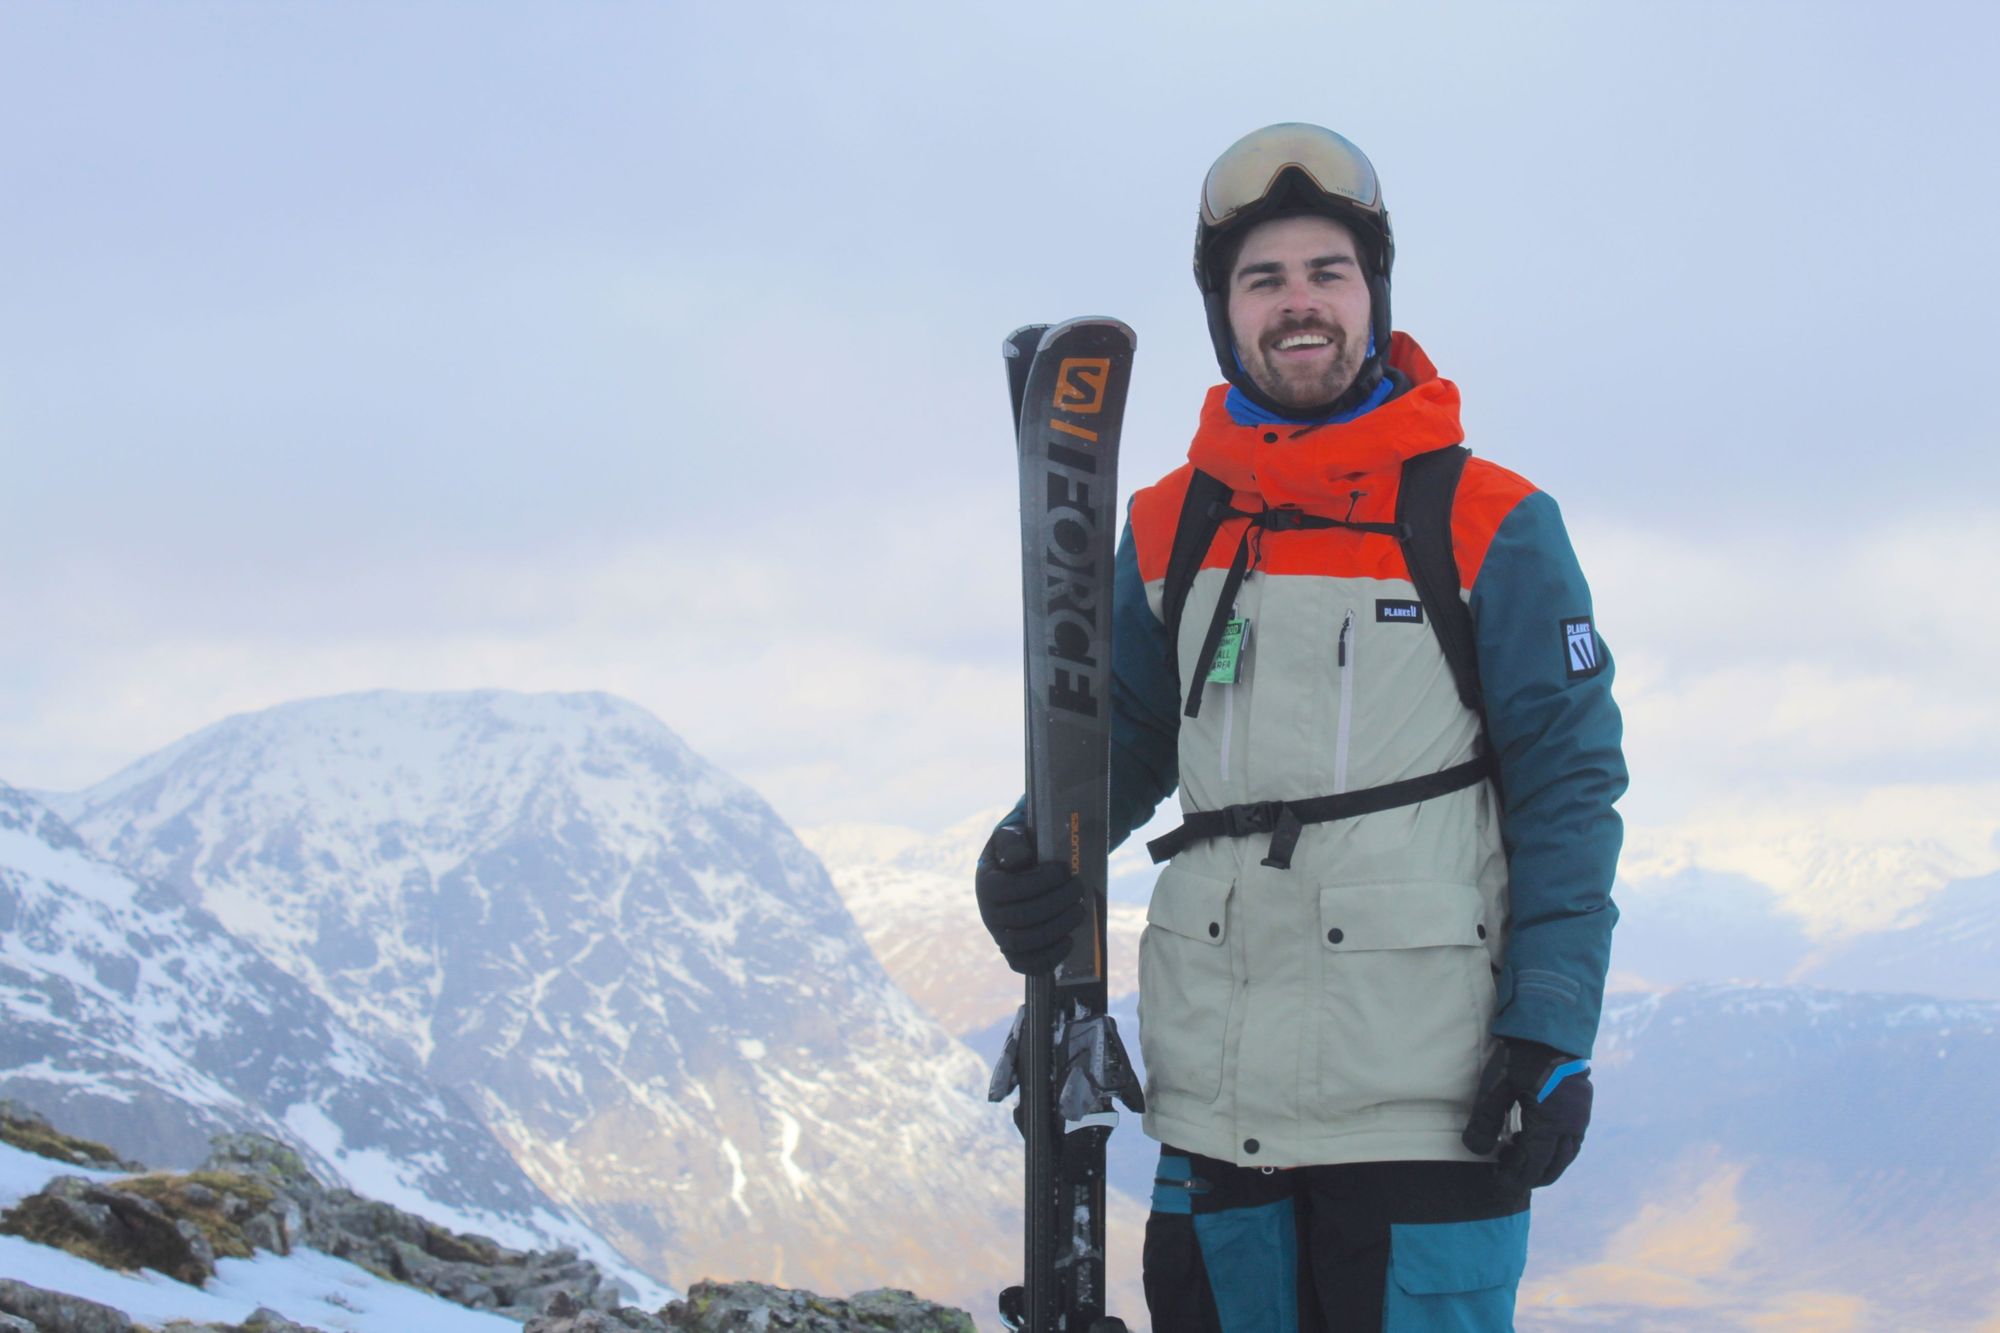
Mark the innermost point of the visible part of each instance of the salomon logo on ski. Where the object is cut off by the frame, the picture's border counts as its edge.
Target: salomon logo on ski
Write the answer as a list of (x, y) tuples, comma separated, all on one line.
[(1080, 385)]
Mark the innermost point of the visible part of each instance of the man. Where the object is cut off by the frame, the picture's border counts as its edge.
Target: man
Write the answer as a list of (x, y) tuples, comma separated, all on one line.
[(1372, 971)]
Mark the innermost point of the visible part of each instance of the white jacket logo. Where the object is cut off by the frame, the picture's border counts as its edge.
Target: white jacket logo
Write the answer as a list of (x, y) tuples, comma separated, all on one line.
[(1582, 641)]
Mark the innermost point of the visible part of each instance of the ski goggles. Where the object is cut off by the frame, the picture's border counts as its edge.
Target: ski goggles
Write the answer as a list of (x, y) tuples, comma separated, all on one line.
[(1245, 175)]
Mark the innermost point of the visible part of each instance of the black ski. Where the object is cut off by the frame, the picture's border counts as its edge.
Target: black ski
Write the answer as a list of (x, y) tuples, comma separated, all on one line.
[(1068, 386)]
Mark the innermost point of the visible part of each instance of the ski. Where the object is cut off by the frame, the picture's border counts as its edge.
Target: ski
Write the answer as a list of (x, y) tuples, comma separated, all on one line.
[(1068, 388)]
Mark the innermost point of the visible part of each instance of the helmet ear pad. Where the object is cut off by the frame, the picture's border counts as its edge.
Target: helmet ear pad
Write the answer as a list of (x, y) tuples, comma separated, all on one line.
[(1215, 301)]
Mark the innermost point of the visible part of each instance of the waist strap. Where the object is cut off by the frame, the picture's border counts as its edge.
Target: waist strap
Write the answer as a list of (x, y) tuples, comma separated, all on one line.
[(1284, 820)]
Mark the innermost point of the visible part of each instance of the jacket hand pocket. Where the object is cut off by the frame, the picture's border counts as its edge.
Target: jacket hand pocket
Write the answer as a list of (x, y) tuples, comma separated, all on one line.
[(1405, 996), (1186, 985)]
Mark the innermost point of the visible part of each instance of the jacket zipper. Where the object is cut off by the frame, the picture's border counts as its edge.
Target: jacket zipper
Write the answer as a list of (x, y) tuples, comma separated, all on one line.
[(1346, 704), (1229, 714)]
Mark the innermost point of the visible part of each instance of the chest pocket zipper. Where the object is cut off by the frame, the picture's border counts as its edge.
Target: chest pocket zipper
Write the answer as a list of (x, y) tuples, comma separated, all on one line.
[(1345, 727)]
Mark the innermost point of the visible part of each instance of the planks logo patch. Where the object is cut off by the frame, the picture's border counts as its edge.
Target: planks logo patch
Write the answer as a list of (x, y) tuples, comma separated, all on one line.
[(1586, 656)]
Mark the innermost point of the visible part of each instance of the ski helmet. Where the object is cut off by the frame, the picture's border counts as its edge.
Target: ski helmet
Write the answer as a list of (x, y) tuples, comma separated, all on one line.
[(1283, 171)]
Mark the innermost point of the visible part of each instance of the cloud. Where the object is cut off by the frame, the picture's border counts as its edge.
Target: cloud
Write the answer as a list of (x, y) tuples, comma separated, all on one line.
[(1811, 709), (846, 673), (1821, 725), (1842, 860)]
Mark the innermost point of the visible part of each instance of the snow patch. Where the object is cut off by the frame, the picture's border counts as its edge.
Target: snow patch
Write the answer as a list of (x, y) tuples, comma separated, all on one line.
[(789, 1131), (737, 1180), (306, 1287), (24, 1173)]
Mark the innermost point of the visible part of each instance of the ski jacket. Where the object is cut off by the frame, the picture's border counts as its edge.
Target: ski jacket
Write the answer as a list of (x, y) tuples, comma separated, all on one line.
[(1340, 1009)]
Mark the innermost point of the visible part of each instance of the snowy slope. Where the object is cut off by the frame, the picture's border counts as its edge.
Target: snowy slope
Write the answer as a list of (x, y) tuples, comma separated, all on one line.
[(627, 963), (142, 1023), (912, 895)]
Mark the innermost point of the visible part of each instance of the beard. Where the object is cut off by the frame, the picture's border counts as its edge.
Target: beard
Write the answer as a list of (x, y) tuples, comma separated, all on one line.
[(1305, 386)]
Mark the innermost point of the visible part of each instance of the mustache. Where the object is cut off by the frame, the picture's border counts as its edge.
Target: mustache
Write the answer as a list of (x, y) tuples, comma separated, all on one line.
[(1337, 336)]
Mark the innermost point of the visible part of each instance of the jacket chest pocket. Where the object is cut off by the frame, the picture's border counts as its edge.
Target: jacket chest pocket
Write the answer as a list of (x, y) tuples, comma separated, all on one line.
[(1406, 994), (1186, 985)]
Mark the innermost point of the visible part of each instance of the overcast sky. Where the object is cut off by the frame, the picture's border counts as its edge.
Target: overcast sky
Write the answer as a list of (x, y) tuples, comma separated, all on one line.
[(654, 348)]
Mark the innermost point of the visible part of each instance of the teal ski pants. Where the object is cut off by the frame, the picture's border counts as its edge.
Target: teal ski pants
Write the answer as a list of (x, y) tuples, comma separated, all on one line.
[(1372, 1247)]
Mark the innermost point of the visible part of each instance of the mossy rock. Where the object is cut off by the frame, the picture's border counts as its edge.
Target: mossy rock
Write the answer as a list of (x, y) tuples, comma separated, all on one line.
[(202, 1198), (117, 1227), (44, 1221), (456, 1249), (26, 1130)]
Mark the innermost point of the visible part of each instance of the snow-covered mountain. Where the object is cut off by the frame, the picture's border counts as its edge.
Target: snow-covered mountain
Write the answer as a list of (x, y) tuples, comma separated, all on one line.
[(619, 955), (145, 1025), (912, 894), (1780, 1157), (1697, 925), (1950, 948)]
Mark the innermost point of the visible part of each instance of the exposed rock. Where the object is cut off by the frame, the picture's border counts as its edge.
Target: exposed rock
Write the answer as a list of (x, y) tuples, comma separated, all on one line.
[(468, 1269), (255, 1155), (755, 1307), (53, 1312), (110, 1224), (27, 1129), (255, 1193), (261, 1320)]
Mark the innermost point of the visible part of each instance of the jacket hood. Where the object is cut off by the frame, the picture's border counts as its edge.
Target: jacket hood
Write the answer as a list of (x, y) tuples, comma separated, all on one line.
[(1314, 467)]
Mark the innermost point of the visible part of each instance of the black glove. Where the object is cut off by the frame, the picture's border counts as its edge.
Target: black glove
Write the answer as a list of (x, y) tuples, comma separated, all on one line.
[(1029, 909), (1553, 1092)]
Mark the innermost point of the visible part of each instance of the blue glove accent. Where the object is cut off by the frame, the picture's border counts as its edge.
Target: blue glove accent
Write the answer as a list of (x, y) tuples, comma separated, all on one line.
[(1558, 1074)]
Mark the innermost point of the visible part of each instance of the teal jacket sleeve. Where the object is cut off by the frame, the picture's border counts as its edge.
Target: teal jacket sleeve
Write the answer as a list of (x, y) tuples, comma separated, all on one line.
[(1546, 676), (1145, 700), (1145, 704)]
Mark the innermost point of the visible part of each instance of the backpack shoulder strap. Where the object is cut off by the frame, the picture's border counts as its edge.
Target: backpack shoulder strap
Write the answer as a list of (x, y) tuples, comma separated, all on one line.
[(1423, 512), (1202, 510)]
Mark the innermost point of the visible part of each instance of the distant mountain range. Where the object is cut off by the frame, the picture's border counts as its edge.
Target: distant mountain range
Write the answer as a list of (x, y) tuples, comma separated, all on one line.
[(1780, 1158), (1702, 926), (616, 954)]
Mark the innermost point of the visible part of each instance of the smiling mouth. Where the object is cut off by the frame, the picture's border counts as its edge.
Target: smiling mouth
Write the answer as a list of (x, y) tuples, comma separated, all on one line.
[(1292, 342)]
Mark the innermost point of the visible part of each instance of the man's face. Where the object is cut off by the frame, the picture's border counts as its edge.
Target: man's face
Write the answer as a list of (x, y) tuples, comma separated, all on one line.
[(1298, 309)]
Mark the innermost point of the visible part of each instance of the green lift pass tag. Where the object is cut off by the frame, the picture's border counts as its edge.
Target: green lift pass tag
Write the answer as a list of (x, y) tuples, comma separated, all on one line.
[(1229, 652)]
